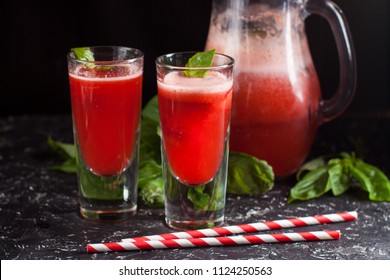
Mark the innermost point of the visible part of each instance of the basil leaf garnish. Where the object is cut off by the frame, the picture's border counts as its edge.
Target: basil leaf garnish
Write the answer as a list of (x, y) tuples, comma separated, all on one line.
[(83, 54), (199, 60), (86, 54)]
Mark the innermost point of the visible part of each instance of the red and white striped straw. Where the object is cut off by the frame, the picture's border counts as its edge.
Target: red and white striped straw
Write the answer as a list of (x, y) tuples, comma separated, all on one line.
[(214, 241), (253, 227)]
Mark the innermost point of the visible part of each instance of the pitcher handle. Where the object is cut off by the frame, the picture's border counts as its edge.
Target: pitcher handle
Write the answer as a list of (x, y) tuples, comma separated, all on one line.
[(334, 106)]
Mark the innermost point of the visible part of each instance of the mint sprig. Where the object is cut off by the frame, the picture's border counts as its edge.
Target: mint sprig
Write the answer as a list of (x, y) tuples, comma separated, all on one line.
[(199, 60), (83, 54), (338, 175)]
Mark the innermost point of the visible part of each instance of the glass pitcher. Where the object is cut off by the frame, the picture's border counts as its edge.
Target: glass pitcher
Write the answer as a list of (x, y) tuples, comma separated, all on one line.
[(277, 104)]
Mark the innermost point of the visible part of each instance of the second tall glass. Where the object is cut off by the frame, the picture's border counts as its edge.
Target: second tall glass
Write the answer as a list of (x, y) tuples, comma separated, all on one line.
[(195, 119)]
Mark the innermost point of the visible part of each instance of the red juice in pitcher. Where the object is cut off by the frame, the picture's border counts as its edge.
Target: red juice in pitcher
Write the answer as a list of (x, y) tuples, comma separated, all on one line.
[(279, 121), (276, 97)]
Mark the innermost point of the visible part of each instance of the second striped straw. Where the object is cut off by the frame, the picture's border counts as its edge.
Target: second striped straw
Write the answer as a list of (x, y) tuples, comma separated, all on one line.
[(252, 227), (214, 241)]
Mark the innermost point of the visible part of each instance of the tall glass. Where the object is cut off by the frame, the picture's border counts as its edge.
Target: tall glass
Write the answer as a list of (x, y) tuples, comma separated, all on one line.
[(106, 103), (195, 119)]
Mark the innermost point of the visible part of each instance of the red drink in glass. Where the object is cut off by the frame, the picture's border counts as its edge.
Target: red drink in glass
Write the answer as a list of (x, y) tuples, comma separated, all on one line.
[(106, 113), (195, 118), (194, 115), (106, 94)]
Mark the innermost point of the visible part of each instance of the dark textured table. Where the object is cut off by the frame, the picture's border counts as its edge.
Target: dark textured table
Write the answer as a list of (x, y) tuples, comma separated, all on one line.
[(39, 218)]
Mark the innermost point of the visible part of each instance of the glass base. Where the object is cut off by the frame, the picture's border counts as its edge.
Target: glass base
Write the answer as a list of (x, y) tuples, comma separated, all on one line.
[(194, 224), (189, 207), (108, 198), (108, 215)]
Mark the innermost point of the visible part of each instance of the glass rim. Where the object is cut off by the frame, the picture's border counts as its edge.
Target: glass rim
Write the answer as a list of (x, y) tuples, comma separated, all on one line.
[(140, 55), (229, 64)]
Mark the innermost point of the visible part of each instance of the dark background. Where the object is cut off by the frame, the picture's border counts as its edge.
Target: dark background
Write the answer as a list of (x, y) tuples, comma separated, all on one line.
[(36, 36)]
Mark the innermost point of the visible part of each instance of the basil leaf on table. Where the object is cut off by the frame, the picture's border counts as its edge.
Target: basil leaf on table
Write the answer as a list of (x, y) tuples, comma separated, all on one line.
[(67, 152), (248, 175), (338, 175), (379, 183), (309, 166), (313, 184), (338, 179), (68, 166)]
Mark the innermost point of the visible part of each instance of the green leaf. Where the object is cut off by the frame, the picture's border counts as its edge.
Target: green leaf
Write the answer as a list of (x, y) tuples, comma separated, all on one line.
[(150, 182), (338, 179), (148, 170), (66, 151), (379, 186), (341, 173), (68, 166), (152, 193), (149, 141), (86, 55), (309, 166), (201, 59), (313, 184), (151, 110), (346, 155), (99, 187), (248, 175), (363, 180), (199, 198), (83, 54)]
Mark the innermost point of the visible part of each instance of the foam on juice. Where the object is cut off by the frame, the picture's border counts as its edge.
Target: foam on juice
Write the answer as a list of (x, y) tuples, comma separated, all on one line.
[(211, 83), (105, 74)]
